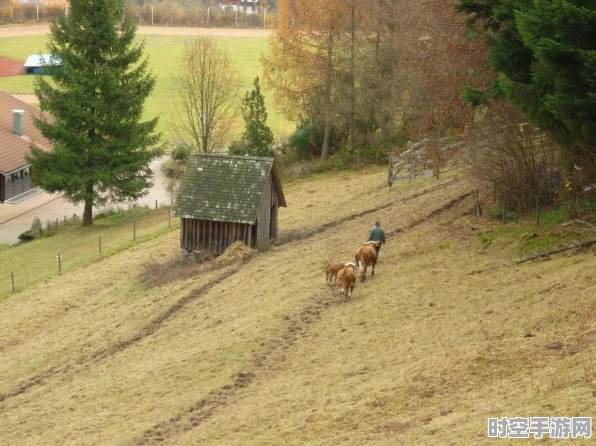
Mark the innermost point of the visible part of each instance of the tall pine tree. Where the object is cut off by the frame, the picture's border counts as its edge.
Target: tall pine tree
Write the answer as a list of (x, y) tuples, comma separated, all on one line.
[(257, 138), (545, 54), (96, 97)]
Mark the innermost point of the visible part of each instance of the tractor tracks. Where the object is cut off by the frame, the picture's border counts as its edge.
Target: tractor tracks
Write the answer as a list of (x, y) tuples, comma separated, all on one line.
[(272, 355), (148, 330), (155, 324), (299, 236)]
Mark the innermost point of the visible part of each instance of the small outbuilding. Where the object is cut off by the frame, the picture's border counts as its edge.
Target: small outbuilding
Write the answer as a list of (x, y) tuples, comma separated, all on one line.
[(36, 63), (223, 199)]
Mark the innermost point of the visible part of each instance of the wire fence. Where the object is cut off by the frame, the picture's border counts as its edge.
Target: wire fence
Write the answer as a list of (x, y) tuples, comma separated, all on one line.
[(167, 13), (63, 245)]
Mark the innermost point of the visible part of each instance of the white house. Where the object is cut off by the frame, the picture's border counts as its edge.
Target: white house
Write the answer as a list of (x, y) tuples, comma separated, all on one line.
[(246, 6)]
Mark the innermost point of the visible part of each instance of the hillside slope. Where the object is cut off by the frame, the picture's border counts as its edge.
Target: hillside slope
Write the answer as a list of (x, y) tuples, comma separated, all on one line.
[(138, 349)]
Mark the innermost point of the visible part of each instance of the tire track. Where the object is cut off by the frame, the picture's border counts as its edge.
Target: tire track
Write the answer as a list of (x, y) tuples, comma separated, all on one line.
[(299, 236), (148, 330), (270, 356), (155, 324)]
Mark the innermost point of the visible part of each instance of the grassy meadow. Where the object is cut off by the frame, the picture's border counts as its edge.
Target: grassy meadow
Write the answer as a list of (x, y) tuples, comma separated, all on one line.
[(36, 261), (164, 53), (140, 349)]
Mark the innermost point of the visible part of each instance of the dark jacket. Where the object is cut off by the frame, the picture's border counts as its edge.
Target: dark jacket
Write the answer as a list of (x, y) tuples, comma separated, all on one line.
[(376, 234)]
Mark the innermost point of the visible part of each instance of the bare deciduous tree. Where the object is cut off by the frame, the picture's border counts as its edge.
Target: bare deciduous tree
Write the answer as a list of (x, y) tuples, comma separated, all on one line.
[(207, 85)]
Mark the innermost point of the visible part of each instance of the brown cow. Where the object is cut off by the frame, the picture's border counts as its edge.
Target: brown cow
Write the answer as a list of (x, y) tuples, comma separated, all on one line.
[(346, 279), (331, 271), (366, 255)]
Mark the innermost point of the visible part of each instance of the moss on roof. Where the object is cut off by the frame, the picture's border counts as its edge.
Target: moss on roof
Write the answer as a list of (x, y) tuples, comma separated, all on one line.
[(225, 188)]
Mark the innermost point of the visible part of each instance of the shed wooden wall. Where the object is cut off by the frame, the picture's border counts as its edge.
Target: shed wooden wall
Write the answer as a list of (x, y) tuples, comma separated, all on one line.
[(214, 236), (267, 216)]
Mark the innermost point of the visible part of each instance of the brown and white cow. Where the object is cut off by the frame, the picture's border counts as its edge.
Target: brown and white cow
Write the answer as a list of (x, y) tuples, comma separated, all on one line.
[(365, 256), (346, 278), (331, 271)]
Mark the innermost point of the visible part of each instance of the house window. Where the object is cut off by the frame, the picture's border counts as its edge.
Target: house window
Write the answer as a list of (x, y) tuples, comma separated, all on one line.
[(8, 179)]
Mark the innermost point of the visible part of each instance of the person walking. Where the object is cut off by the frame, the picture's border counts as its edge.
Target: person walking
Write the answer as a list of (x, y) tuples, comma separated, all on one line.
[(377, 234)]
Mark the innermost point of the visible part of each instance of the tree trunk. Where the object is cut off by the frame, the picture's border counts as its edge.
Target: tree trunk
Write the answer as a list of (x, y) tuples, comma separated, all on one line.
[(353, 76), (88, 211), (326, 137), (328, 82)]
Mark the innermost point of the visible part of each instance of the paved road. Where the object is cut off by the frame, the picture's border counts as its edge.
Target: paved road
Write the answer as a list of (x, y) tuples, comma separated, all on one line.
[(30, 30), (17, 218)]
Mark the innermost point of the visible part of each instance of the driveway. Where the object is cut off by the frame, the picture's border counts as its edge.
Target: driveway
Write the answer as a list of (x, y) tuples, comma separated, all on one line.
[(17, 218)]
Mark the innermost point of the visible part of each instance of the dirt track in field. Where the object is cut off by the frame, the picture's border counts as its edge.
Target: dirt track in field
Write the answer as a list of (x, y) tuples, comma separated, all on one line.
[(30, 30), (203, 409)]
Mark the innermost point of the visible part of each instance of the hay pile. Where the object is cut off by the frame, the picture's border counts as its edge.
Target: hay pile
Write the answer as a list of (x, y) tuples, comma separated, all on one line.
[(237, 250)]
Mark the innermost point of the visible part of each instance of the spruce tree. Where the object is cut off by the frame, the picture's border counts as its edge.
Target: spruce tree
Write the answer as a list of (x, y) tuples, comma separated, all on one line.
[(545, 55), (95, 100), (258, 137)]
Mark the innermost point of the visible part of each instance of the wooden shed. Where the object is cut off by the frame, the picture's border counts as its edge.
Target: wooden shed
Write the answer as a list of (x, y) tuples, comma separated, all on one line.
[(223, 199)]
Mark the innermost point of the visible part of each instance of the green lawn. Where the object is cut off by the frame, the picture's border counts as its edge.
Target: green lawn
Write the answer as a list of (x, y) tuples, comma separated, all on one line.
[(78, 246), (164, 53)]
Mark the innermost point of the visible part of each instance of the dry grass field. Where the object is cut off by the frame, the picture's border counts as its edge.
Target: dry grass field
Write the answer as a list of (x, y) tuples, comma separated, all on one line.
[(260, 352)]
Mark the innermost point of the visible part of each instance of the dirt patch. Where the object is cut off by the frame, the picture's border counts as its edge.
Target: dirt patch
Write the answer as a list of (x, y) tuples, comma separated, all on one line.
[(9, 67)]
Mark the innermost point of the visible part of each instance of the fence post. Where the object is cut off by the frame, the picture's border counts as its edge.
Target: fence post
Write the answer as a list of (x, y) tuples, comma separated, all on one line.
[(37, 12), (264, 18), (134, 230), (155, 204), (57, 222), (11, 14), (208, 15), (99, 240), (12, 277), (236, 17), (169, 219), (59, 263), (151, 15), (537, 210), (66, 11)]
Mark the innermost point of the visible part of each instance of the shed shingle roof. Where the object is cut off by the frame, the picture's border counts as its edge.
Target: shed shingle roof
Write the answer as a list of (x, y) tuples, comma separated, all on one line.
[(225, 188), (13, 148)]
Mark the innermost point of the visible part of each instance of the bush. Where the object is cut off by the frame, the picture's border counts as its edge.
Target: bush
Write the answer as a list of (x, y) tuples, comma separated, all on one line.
[(108, 213), (180, 154), (237, 148), (306, 140), (27, 236), (517, 160), (36, 226)]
